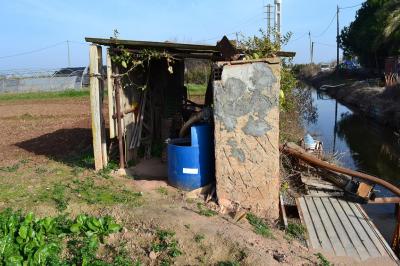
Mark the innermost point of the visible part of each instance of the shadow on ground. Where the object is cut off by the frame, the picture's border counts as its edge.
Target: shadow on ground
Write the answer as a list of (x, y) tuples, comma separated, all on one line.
[(72, 146)]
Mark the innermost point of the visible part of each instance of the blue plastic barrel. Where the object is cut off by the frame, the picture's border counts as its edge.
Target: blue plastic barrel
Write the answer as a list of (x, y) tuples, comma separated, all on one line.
[(191, 165)]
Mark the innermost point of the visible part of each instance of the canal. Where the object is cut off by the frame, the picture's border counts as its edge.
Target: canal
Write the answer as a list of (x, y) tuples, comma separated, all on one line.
[(360, 145)]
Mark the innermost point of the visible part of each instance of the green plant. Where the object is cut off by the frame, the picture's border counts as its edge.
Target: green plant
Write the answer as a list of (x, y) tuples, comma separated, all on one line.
[(40, 170), (166, 245), (295, 230), (322, 260), (26, 240), (162, 191), (259, 226), (228, 263), (198, 238), (10, 169), (58, 196), (205, 211)]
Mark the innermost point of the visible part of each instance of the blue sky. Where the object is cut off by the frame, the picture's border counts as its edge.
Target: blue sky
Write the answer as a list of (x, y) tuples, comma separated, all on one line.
[(33, 24)]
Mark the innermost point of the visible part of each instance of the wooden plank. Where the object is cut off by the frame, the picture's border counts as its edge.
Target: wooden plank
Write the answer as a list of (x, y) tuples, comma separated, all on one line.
[(95, 106), (363, 235), (318, 224), (353, 236), (366, 224), (339, 228), (111, 101), (312, 239), (329, 227), (104, 154), (389, 250)]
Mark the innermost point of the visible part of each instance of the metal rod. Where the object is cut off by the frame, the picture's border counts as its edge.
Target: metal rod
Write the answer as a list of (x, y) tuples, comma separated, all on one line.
[(294, 151), (119, 120)]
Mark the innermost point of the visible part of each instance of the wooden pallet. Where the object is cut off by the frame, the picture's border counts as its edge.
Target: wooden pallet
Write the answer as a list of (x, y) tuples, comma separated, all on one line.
[(342, 228)]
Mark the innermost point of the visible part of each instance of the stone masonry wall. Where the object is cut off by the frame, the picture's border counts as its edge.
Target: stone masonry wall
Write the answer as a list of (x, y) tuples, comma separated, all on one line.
[(246, 115)]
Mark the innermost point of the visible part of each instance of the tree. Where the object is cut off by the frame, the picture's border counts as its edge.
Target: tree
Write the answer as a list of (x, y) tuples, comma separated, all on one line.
[(374, 34)]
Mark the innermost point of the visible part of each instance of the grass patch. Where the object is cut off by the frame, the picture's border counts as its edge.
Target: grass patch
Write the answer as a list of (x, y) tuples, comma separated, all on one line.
[(10, 169), (259, 226), (228, 263), (162, 191), (196, 89), (205, 211), (322, 260), (44, 95), (93, 194), (198, 238), (295, 230)]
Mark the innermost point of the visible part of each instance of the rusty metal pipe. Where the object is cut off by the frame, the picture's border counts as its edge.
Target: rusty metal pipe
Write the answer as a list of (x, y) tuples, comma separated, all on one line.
[(294, 151), (117, 82)]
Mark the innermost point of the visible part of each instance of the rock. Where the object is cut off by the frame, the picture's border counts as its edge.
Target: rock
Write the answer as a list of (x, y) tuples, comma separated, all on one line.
[(153, 255), (280, 257)]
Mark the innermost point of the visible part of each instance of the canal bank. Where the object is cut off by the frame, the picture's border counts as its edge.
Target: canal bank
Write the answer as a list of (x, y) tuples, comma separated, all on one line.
[(364, 97)]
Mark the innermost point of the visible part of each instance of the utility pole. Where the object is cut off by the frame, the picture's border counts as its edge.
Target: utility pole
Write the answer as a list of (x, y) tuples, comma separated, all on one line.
[(312, 52), (337, 38), (311, 56), (69, 57), (269, 17)]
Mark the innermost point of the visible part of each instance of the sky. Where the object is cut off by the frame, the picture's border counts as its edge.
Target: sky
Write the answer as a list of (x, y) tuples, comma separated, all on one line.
[(35, 32)]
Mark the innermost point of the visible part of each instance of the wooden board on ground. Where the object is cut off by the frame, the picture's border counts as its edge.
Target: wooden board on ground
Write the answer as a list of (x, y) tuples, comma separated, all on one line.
[(342, 228)]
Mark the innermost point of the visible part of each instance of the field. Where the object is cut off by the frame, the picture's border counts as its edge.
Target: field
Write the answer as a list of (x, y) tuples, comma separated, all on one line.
[(46, 167)]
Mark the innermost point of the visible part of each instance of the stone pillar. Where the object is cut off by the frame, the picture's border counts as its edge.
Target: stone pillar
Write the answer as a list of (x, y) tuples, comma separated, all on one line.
[(246, 115)]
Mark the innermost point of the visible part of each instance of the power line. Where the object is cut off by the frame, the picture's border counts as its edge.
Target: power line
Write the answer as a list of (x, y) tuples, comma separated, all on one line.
[(325, 44), (245, 23), (347, 7), (327, 28), (33, 51)]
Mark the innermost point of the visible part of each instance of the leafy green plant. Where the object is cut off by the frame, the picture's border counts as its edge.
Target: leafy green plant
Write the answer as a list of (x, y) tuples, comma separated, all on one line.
[(259, 226), (166, 245), (27, 240), (205, 211), (322, 260)]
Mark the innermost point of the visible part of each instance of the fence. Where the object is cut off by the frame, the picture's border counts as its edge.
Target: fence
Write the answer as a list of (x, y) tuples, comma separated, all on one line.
[(43, 80)]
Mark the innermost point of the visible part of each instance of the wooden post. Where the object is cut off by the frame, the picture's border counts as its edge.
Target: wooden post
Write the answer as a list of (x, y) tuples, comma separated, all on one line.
[(110, 90), (95, 105)]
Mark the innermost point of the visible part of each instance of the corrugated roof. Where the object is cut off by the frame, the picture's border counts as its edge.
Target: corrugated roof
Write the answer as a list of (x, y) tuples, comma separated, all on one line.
[(168, 46)]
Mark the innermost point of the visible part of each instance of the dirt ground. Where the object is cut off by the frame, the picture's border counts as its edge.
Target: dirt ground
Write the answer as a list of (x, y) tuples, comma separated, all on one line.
[(45, 167)]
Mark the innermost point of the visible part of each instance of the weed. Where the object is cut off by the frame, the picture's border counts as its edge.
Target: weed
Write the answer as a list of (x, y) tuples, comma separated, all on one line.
[(166, 245), (259, 226), (187, 226), (322, 260), (198, 238), (40, 170), (228, 263), (106, 172), (10, 169), (162, 191), (295, 230), (205, 211), (59, 197)]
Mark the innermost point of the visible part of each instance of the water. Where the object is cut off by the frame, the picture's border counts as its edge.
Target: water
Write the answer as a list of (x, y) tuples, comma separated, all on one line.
[(363, 146)]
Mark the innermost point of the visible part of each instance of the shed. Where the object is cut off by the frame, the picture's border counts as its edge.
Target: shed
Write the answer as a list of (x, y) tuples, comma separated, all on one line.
[(148, 103)]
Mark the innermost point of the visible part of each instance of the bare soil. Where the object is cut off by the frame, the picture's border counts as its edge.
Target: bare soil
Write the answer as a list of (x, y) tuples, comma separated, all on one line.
[(44, 144)]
